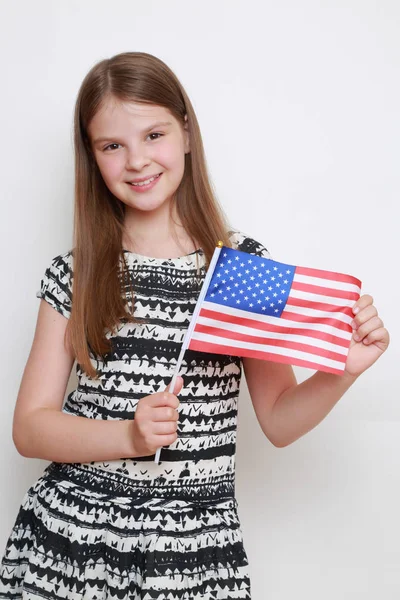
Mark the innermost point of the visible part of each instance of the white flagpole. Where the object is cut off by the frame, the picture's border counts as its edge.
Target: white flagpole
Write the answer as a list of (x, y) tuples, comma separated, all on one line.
[(192, 323)]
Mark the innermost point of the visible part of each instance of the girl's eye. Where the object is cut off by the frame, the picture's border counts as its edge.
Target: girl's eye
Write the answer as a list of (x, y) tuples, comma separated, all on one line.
[(111, 147), (157, 134)]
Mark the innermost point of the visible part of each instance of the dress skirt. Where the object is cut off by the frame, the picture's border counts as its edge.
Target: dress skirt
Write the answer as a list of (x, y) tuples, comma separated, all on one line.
[(82, 534)]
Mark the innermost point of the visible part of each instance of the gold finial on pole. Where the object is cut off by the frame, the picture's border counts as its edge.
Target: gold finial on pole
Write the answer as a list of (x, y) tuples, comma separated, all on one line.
[(220, 244)]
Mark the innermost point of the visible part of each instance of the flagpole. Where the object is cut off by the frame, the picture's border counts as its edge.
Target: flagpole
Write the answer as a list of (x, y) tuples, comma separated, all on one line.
[(192, 323)]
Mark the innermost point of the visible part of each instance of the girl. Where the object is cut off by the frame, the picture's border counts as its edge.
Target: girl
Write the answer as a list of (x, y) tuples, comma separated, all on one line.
[(105, 520)]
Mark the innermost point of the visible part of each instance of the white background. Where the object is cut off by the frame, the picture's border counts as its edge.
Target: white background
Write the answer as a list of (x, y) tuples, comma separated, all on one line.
[(298, 103)]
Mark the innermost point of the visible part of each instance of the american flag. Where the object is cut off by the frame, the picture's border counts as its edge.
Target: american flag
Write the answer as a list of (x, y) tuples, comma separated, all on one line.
[(260, 308)]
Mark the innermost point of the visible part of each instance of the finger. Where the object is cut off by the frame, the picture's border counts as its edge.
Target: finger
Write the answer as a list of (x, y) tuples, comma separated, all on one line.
[(165, 428), (163, 399), (367, 328), (380, 337), (364, 315), (164, 413), (362, 302), (177, 386)]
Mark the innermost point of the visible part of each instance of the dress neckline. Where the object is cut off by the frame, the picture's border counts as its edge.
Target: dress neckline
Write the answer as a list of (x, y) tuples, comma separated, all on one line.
[(142, 256)]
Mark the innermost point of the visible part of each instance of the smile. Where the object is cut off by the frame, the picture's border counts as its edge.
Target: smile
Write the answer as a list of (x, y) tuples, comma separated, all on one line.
[(146, 182)]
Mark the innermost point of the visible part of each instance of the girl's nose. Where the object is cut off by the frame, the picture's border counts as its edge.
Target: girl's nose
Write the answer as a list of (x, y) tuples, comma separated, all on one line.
[(137, 158)]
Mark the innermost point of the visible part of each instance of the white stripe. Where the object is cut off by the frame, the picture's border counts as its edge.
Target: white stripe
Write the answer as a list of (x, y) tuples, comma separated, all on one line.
[(311, 297), (301, 339), (277, 321), (320, 360), (320, 314), (336, 285)]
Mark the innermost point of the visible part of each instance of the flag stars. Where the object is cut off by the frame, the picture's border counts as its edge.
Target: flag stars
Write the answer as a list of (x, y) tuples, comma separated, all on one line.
[(236, 258), (275, 268), (272, 278)]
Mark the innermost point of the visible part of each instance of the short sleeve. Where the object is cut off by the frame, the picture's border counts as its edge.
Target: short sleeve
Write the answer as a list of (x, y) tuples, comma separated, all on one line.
[(243, 242), (56, 284)]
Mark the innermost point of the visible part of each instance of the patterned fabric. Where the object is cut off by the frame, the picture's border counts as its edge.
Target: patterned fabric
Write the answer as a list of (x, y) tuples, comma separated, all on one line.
[(130, 528)]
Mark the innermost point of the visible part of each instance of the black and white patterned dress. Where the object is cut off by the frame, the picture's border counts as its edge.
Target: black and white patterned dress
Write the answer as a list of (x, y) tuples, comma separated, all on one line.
[(129, 528)]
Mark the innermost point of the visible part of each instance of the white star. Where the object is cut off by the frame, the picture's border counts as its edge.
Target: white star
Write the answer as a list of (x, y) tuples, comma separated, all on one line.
[(224, 281), (270, 288), (268, 271), (254, 268), (252, 278), (278, 285), (218, 274), (251, 305), (272, 278), (233, 294), (279, 301), (228, 288), (226, 270), (280, 275), (229, 261), (244, 280), (236, 258), (272, 304), (241, 292), (225, 297), (263, 308), (231, 278), (225, 254), (286, 281), (236, 284), (242, 264), (275, 295), (215, 284), (257, 285), (237, 301), (219, 291), (262, 264), (234, 268), (246, 297), (258, 301), (288, 272), (267, 298), (254, 295), (283, 291), (275, 268), (247, 271), (276, 310), (250, 261), (264, 281), (212, 295)]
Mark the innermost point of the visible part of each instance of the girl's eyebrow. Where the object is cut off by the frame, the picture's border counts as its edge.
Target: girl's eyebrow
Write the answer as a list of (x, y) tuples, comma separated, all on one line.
[(158, 124)]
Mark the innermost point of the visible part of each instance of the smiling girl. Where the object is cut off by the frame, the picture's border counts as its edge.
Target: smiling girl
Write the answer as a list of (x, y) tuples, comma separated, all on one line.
[(105, 520)]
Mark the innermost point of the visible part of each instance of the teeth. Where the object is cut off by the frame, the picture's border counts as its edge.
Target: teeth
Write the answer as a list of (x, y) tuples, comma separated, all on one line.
[(147, 181)]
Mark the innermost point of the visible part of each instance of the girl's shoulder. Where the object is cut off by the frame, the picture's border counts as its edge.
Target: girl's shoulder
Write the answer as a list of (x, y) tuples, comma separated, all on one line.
[(244, 242)]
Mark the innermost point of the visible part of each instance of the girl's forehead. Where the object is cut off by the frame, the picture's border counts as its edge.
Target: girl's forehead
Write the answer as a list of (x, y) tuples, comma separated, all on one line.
[(113, 109)]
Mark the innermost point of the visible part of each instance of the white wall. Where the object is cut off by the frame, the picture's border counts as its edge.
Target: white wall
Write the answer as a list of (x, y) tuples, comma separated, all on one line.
[(299, 108)]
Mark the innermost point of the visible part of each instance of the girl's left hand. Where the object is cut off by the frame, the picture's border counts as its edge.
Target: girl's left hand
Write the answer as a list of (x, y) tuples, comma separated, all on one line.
[(370, 338)]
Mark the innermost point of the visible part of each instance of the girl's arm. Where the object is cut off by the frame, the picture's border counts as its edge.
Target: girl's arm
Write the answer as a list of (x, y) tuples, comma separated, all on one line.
[(40, 429), (287, 410)]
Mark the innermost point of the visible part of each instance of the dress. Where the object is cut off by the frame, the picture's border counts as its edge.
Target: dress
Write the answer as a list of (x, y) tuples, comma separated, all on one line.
[(129, 528)]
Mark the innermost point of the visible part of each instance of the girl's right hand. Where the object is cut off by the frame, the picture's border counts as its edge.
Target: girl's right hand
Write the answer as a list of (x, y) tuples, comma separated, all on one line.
[(156, 421)]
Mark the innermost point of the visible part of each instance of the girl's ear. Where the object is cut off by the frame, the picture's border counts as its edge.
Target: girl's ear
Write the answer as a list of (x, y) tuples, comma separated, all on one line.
[(187, 135)]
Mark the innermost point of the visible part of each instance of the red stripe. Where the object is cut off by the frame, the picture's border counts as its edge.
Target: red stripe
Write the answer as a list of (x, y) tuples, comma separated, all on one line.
[(262, 326), (241, 337), (328, 275), (244, 352), (317, 320), (324, 291), (345, 310)]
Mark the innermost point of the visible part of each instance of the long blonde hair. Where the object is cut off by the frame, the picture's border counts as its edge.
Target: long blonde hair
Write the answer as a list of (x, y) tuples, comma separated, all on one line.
[(99, 300)]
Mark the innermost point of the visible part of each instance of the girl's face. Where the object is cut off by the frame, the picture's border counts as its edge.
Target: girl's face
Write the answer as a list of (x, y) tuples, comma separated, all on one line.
[(135, 142)]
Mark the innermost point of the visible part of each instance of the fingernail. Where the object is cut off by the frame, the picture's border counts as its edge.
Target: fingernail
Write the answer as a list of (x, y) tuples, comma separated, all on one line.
[(354, 325), (356, 337), (356, 309)]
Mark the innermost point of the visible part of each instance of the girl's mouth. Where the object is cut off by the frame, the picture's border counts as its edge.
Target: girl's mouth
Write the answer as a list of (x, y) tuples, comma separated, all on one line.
[(143, 186)]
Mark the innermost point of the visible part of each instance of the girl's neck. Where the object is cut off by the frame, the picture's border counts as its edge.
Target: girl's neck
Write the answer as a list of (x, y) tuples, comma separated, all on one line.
[(155, 233)]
